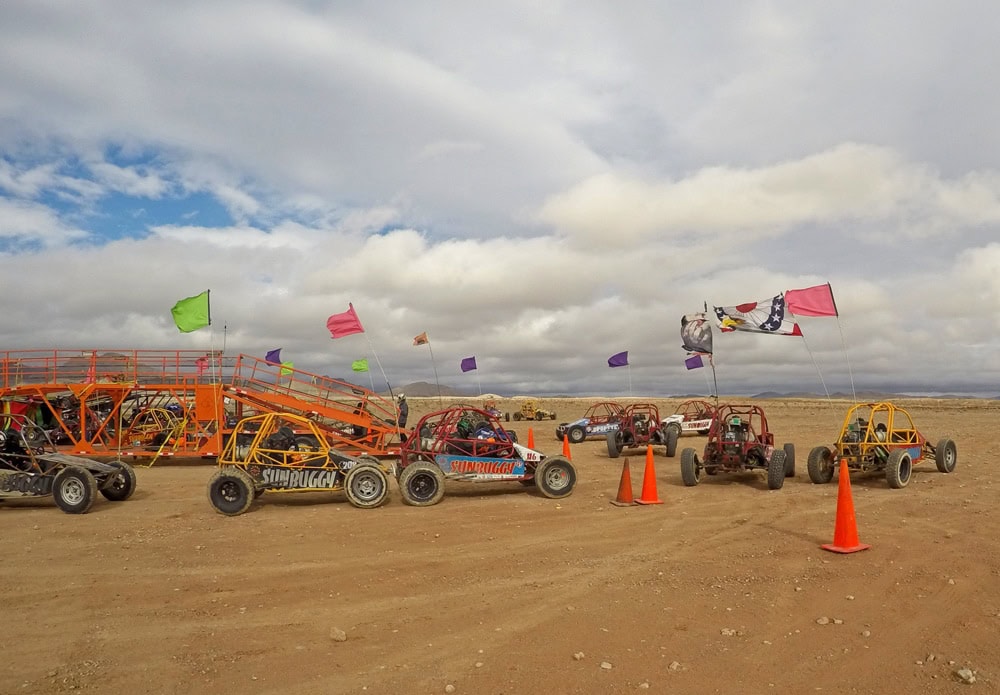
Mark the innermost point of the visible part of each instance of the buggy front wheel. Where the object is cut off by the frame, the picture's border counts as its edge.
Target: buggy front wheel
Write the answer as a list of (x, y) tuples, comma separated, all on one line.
[(671, 444), (615, 444), (820, 465), (946, 456), (776, 470), (74, 489), (421, 484), (231, 491), (690, 470)]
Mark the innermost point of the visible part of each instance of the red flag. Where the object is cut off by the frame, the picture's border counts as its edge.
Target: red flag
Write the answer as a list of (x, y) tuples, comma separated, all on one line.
[(346, 323), (811, 301)]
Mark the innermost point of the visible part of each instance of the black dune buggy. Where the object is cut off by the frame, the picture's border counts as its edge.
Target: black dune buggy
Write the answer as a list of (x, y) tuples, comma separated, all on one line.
[(30, 466), (739, 440), (468, 444)]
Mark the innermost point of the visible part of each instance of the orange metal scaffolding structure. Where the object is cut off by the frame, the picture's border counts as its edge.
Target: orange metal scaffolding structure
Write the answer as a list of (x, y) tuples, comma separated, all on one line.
[(90, 400)]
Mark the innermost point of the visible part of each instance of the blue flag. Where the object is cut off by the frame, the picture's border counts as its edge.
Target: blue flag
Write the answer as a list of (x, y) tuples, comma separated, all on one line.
[(273, 356), (468, 364)]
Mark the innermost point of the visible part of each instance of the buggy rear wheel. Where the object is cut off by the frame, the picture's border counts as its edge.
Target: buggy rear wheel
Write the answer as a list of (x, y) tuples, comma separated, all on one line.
[(690, 470), (946, 456), (776, 470), (820, 465), (121, 484), (555, 477), (789, 460), (74, 489), (898, 469), (366, 486), (231, 491), (421, 484)]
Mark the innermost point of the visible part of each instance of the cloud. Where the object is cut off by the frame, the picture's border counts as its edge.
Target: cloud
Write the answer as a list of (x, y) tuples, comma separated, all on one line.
[(28, 225), (538, 185), (839, 186)]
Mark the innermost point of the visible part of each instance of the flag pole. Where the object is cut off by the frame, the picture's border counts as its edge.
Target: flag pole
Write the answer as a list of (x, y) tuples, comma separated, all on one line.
[(371, 380), (843, 342), (813, 358), (711, 361), (434, 365), (379, 363), (628, 369), (847, 357)]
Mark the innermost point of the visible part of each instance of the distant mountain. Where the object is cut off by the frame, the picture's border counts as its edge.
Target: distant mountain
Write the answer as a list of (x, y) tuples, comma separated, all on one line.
[(422, 388)]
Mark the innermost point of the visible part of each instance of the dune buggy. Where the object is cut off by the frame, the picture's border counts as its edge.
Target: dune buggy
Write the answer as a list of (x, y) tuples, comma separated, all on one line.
[(739, 440), (467, 444), (601, 417), (282, 452), (640, 426), (30, 466), (877, 437), (691, 417), (530, 411), (490, 407)]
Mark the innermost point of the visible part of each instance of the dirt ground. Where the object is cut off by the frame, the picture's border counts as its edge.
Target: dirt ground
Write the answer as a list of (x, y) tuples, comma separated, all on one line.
[(721, 589)]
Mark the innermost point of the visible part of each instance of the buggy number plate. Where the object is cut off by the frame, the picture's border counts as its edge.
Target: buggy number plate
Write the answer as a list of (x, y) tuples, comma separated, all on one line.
[(481, 467)]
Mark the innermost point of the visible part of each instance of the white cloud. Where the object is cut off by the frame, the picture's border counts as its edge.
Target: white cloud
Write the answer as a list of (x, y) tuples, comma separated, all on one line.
[(850, 182), (25, 224), (539, 185)]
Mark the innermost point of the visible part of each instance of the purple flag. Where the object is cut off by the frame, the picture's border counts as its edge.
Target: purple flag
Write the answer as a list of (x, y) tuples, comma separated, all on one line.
[(468, 364), (694, 361), (273, 356), (619, 360)]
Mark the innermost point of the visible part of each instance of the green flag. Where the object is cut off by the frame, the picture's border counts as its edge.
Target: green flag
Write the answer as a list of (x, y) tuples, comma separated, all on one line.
[(192, 313), (360, 365), (287, 368)]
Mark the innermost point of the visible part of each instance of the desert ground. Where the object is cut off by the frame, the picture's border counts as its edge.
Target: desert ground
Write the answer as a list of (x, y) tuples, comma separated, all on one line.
[(723, 588)]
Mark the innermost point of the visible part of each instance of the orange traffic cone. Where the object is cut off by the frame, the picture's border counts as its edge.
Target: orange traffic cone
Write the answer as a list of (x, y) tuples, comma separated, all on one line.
[(624, 498), (531, 439), (649, 495), (845, 533), (566, 452)]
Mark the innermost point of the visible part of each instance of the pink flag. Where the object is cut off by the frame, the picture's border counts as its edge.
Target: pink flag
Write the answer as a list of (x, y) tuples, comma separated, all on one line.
[(346, 323), (811, 301), (201, 364)]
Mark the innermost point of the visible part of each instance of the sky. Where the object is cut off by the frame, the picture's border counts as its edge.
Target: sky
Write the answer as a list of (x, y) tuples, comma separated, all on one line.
[(538, 185)]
